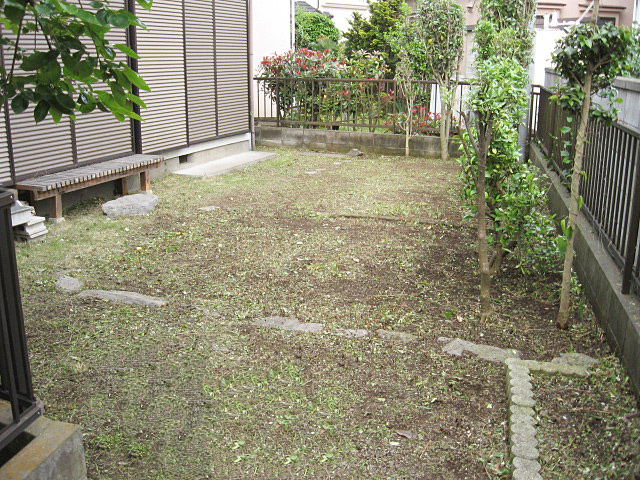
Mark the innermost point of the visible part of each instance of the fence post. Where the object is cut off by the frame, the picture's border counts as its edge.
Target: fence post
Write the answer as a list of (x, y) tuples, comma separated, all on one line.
[(277, 102), (634, 225), (15, 371)]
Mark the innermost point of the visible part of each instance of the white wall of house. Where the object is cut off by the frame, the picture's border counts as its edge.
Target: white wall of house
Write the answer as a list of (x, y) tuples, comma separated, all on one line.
[(342, 11), (545, 44), (273, 24), (273, 30)]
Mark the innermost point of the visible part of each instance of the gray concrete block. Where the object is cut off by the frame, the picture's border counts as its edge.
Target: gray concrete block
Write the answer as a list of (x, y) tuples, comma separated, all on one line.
[(225, 165), (54, 453)]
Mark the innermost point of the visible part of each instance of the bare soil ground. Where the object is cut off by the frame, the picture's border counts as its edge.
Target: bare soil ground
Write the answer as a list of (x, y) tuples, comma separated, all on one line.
[(194, 391)]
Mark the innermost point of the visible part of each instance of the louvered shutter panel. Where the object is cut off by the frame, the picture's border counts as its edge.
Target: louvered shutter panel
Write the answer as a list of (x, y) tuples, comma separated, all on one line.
[(5, 164), (232, 66), (200, 54), (38, 147), (98, 134), (161, 49)]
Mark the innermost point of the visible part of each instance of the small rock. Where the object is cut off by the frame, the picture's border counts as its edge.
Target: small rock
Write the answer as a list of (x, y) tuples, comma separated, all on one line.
[(210, 208), (130, 205), (354, 152), (311, 172), (68, 284), (407, 434), (129, 298), (393, 336)]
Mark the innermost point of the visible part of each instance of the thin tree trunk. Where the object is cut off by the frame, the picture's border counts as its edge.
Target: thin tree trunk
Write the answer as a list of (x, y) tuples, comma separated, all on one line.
[(444, 134), (565, 295), (483, 248)]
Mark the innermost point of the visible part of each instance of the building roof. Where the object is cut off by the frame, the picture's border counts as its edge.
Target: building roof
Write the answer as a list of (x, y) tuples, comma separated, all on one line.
[(308, 8)]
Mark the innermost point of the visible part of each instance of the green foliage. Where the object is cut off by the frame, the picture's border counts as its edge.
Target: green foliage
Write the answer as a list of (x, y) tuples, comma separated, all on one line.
[(78, 69), (308, 96), (506, 29), (370, 35), (440, 26), (517, 221), (404, 37), (633, 59), (315, 31), (600, 51)]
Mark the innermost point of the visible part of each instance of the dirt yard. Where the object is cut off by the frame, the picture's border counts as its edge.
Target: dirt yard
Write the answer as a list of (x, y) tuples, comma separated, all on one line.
[(193, 390)]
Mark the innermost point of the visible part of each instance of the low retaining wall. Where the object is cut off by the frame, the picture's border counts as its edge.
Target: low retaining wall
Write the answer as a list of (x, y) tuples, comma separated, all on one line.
[(341, 141), (618, 314)]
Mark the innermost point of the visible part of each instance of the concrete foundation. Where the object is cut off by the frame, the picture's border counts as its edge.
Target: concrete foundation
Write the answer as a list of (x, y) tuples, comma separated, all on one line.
[(53, 452), (174, 160), (618, 314), (341, 141)]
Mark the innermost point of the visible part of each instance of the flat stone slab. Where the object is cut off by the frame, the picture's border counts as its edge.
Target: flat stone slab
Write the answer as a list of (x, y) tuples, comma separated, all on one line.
[(490, 353), (68, 284), (210, 208), (290, 324), (129, 298), (130, 205), (226, 164), (352, 333), (399, 337), (575, 359)]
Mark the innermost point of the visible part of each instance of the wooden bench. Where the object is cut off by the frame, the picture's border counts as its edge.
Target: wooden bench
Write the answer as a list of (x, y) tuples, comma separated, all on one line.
[(54, 185)]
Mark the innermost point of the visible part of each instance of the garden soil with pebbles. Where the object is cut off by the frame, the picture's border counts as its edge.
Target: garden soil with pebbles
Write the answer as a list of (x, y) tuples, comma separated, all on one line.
[(194, 390)]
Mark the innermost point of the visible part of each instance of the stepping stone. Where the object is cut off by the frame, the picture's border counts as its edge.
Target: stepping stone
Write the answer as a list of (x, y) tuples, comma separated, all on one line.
[(129, 298), (289, 323), (224, 165), (490, 353), (352, 333), (399, 337), (130, 205), (209, 209), (68, 284), (575, 359)]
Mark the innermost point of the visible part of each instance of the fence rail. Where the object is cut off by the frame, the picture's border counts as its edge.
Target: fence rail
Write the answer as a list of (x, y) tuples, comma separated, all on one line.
[(15, 373), (350, 104), (611, 184)]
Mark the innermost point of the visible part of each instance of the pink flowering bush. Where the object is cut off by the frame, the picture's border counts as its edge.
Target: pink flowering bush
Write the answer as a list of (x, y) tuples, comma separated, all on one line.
[(321, 101)]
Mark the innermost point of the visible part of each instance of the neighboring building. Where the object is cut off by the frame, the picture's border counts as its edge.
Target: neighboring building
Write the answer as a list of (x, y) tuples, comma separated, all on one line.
[(195, 58), (341, 11), (552, 18)]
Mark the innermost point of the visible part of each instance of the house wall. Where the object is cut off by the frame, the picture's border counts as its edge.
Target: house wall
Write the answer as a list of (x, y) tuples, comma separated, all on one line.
[(342, 11), (195, 58)]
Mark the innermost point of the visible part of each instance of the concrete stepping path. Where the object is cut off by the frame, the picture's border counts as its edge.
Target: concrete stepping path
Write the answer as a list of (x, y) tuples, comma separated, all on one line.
[(226, 164), (522, 422)]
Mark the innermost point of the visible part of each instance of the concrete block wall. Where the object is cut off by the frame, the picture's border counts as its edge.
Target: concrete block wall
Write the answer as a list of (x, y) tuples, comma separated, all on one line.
[(618, 314), (342, 141)]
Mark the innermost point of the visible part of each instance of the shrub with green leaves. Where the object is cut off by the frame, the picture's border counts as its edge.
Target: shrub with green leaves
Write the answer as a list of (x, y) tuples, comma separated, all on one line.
[(502, 193), (440, 26), (315, 31), (60, 75), (370, 35), (600, 51), (589, 58)]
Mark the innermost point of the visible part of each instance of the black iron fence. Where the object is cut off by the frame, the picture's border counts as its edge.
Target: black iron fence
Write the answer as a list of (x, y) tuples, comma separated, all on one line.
[(611, 184), (15, 373), (375, 105)]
